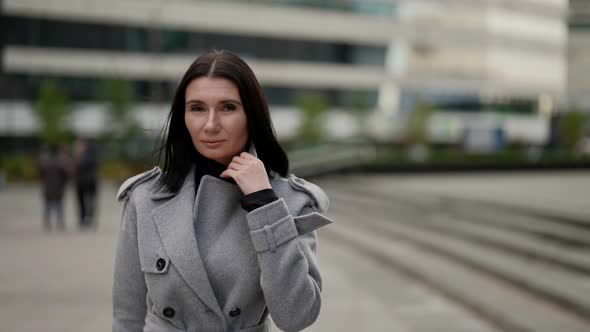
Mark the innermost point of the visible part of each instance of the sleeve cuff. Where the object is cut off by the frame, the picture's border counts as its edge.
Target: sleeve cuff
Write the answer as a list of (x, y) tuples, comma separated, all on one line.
[(271, 226), (258, 199)]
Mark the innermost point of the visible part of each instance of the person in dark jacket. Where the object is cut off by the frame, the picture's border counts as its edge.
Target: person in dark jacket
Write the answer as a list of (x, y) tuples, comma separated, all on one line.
[(53, 175), (86, 168), (223, 236)]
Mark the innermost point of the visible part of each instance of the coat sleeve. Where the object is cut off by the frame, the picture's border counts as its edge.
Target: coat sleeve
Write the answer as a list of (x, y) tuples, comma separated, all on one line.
[(129, 288), (290, 278)]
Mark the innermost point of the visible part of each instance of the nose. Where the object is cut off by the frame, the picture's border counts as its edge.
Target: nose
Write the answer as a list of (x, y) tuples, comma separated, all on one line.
[(212, 123)]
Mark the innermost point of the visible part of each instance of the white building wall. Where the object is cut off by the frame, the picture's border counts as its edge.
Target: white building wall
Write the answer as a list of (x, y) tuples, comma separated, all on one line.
[(550, 30), (507, 52), (436, 15), (563, 4), (101, 64), (545, 73), (541, 69), (458, 62)]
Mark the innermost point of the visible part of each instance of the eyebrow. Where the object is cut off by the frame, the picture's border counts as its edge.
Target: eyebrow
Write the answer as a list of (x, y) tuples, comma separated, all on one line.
[(197, 101)]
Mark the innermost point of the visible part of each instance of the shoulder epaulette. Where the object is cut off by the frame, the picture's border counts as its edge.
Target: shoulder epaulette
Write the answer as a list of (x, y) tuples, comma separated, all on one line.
[(134, 181), (319, 196)]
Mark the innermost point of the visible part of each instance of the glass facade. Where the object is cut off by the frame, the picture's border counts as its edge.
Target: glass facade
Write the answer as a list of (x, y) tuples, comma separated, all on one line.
[(468, 103), (363, 7), (21, 31), (57, 34), (579, 19)]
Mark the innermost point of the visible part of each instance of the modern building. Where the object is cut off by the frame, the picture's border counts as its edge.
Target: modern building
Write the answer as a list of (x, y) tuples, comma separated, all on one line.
[(471, 58), (490, 65), (578, 51)]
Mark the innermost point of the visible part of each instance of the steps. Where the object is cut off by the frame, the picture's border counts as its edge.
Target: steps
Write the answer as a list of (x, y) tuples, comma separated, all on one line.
[(506, 271), (472, 228)]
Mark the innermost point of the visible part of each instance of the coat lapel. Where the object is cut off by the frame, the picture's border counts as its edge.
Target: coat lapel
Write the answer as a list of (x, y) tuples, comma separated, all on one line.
[(174, 220)]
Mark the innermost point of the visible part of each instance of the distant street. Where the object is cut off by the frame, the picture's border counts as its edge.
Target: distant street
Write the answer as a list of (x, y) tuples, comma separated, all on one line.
[(406, 253)]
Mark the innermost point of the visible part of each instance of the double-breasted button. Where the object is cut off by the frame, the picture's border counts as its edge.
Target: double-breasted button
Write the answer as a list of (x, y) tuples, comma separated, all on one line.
[(235, 312), (160, 264), (168, 312)]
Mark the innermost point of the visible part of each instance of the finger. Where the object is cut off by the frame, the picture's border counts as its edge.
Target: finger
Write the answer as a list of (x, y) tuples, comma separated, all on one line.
[(239, 160), (228, 173), (246, 155), (235, 166)]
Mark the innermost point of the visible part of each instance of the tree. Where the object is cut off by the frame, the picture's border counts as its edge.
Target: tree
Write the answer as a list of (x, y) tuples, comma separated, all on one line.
[(121, 123), (117, 95), (417, 123), (312, 106), (51, 111), (360, 106)]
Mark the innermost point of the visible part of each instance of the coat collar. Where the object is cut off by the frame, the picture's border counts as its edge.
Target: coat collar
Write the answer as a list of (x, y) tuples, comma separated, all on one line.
[(160, 195)]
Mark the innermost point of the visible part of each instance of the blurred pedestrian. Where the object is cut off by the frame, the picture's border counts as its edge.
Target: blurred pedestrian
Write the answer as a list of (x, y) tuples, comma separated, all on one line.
[(86, 169), (2, 179), (53, 175), (222, 236)]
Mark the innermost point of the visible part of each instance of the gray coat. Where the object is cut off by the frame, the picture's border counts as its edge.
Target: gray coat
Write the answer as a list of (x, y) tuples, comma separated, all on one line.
[(264, 258)]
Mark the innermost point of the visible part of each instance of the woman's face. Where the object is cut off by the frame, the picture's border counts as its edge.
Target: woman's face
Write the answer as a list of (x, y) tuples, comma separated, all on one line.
[(215, 118)]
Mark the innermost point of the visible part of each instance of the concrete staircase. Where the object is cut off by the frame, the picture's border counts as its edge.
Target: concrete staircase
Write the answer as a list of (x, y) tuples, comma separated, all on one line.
[(523, 273)]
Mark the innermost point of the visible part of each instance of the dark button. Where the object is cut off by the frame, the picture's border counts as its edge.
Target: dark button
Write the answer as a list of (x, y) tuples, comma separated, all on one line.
[(168, 312), (235, 312), (160, 264)]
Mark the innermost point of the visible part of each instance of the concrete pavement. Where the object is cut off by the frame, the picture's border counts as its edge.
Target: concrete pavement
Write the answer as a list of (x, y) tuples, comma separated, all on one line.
[(61, 282)]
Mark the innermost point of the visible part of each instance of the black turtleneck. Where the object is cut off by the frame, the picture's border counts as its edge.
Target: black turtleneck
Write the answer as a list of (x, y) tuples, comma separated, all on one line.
[(206, 166)]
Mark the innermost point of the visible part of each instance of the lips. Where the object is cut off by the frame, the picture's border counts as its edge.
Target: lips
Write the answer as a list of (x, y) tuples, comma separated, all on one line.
[(212, 143)]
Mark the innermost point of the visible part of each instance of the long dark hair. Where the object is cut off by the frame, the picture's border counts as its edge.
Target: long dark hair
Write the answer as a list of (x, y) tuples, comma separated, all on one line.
[(176, 146)]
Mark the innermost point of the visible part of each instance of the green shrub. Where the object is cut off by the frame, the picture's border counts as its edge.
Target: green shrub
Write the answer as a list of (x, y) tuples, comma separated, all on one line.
[(571, 129), (417, 123), (18, 168)]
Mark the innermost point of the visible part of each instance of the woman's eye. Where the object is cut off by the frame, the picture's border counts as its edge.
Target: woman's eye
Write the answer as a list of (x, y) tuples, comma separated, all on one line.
[(229, 107), (195, 108)]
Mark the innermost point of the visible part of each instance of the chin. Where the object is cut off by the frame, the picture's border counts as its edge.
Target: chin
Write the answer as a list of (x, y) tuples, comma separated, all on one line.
[(213, 155)]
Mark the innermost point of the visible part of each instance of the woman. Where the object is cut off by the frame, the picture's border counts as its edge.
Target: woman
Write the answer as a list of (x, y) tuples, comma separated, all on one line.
[(221, 237)]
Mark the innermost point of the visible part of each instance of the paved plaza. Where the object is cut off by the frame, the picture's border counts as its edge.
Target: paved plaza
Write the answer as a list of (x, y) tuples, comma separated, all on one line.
[(62, 281)]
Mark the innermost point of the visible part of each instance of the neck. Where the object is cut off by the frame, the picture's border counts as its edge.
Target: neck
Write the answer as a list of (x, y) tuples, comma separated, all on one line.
[(206, 166)]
